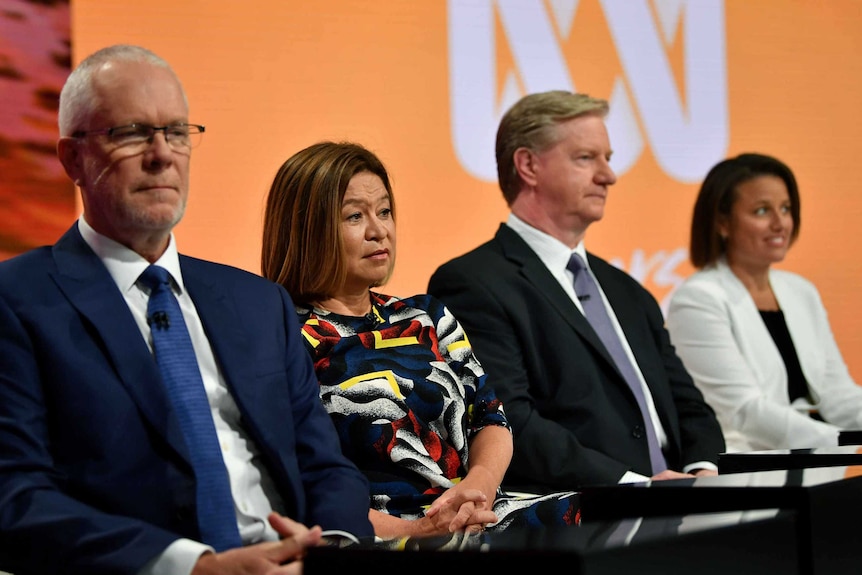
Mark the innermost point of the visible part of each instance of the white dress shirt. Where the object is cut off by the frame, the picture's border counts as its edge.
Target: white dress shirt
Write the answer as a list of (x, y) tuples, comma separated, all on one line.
[(253, 491)]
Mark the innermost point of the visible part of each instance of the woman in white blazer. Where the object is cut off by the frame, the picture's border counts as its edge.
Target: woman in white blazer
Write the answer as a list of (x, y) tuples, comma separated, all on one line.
[(756, 340)]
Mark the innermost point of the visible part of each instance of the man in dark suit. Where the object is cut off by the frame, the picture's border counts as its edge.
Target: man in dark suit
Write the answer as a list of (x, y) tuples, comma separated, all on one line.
[(96, 465), (577, 419)]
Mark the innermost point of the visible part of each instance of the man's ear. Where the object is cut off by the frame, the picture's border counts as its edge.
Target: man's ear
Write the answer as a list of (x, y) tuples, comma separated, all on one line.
[(525, 164), (70, 157)]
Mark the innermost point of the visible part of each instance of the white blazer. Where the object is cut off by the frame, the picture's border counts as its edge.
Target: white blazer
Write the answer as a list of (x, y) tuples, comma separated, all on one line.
[(727, 349)]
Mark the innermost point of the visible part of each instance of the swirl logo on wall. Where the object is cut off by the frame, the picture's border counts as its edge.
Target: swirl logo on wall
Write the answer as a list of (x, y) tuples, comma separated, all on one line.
[(685, 125)]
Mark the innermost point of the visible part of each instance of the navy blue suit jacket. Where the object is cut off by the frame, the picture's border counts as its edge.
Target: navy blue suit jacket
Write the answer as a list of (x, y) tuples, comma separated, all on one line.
[(575, 420), (94, 473)]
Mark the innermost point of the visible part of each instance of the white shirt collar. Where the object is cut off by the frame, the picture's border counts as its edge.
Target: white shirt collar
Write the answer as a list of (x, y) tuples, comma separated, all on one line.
[(125, 265), (553, 253)]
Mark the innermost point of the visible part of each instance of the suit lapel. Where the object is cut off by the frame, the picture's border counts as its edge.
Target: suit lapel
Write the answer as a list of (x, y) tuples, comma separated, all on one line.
[(535, 272), (221, 322), (85, 281), (627, 308), (739, 298), (620, 299)]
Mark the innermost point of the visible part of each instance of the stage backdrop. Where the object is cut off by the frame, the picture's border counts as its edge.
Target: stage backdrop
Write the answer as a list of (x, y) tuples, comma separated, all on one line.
[(37, 200), (424, 83)]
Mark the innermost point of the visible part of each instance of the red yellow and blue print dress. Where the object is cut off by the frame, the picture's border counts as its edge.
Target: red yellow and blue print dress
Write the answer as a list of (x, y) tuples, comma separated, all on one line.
[(407, 394)]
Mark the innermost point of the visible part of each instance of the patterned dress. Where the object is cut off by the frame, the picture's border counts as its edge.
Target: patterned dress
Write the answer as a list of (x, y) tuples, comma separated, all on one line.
[(407, 395)]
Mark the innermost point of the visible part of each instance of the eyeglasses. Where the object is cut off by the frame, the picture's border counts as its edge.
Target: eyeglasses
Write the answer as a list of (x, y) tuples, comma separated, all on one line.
[(180, 137)]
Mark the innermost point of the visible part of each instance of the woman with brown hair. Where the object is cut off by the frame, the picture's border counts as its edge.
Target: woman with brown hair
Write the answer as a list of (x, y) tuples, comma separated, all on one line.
[(757, 340), (398, 376)]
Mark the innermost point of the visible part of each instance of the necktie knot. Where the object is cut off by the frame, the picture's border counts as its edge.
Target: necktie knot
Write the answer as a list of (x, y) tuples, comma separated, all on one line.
[(576, 264), (584, 287), (158, 279), (155, 277)]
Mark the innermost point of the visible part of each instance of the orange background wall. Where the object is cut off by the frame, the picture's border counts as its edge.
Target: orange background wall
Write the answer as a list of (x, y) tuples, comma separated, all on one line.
[(270, 77)]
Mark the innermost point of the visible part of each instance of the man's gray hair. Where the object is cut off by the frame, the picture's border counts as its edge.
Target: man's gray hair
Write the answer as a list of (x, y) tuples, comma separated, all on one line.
[(531, 123), (78, 100)]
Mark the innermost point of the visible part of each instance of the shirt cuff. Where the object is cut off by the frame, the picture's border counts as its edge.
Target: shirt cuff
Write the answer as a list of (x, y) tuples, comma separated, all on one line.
[(632, 477), (178, 558), (692, 467)]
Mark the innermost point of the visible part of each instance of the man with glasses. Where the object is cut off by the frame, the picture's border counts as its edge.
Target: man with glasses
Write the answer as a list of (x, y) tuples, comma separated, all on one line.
[(158, 413)]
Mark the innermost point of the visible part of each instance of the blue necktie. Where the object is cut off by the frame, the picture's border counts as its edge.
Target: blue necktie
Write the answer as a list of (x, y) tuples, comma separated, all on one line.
[(597, 315), (181, 374)]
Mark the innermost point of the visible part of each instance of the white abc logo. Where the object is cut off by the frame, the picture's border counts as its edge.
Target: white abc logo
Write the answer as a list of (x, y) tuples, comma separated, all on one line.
[(687, 137)]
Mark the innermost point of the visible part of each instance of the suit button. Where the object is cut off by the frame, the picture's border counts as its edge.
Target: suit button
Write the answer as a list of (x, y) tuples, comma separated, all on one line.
[(638, 431)]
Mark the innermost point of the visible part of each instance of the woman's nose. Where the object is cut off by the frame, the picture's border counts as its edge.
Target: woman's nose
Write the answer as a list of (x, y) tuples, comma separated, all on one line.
[(376, 229)]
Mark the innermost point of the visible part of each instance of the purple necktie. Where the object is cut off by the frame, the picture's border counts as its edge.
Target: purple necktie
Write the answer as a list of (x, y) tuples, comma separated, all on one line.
[(597, 315), (181, 374)]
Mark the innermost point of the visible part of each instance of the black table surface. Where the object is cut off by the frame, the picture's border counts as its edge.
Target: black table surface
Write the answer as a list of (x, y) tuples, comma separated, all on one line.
[(711, 543), (847, 455), (828, 501)]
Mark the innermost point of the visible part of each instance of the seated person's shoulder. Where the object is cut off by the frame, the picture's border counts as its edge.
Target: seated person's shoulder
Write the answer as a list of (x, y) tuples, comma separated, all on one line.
[(243, 288), (607, 271), (420, 304), (225, 274), (793, 280), (706, 283), (795, 288), (423, 301), (484, 255), (26, 267), (443, 320)]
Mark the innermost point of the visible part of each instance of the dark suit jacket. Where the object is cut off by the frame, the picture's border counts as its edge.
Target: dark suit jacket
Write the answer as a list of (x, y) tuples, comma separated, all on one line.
[(575, 420), (94, 473)]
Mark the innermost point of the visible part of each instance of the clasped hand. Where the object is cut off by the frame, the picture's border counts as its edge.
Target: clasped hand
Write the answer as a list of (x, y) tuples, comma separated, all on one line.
[(283, 557), (460, 508)]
